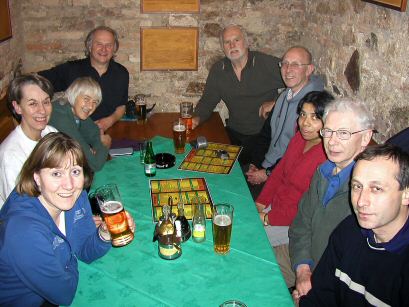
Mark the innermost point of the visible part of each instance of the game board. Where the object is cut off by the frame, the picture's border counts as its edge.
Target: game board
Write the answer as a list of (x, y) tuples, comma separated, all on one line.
[(179, 189), (208, 159)]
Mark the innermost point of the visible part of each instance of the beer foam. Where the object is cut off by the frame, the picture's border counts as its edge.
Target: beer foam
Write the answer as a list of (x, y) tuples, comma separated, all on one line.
[(111, 207), (222, 220), (179, 128)]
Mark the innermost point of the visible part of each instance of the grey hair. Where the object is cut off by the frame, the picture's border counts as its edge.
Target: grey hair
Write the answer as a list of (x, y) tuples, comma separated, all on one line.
[(90, 37), (242, 30), (358, 107), (83, 86)]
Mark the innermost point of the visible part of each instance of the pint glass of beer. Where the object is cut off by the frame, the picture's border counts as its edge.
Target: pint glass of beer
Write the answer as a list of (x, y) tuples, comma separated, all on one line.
[(140, 109), (186, 113), (114, 215), (222, 226), (179, 136)]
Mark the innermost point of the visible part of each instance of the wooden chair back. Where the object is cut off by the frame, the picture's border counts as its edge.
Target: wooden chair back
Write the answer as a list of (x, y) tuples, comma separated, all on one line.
[(7, 123)]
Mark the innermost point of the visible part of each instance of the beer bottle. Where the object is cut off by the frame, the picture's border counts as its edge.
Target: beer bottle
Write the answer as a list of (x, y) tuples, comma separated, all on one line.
[(150, 163), (168, 246), (198, 221), (185, 227)]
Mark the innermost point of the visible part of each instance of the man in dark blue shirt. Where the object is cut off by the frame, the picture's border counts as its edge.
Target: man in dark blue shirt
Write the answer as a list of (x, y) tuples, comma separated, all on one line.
[(101, 45)]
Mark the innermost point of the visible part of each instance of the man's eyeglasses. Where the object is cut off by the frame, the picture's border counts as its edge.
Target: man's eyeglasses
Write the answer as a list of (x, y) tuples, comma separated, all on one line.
[(284, 64), (341, 134)]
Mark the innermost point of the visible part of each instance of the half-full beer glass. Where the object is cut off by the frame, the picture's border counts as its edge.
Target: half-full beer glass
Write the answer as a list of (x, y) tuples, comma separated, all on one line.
[(114, 214), (222, 227), (179, 136)]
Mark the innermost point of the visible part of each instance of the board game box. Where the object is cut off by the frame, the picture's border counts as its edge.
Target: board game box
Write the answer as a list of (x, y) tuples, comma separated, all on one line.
[(215, 158), (184, 190)]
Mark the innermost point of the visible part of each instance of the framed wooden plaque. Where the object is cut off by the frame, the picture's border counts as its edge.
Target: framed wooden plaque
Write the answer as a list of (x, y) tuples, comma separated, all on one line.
[(5, 22), (399, 5), (170, 6), (174, 48)]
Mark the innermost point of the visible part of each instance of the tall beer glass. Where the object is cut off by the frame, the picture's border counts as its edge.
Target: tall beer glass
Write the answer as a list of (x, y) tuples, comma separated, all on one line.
[(186, 113), (140, 109), (114, 214), (179, 136), (222, 227)]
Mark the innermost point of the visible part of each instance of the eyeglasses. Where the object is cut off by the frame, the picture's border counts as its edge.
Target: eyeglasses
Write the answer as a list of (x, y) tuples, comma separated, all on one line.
[(282, 64), (341, 134)]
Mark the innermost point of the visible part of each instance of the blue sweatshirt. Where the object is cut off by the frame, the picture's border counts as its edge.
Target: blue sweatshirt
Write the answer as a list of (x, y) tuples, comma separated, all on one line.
[(37, 261)]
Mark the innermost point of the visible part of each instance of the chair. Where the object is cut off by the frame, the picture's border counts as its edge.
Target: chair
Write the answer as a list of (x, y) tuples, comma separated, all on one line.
[(7, 123)]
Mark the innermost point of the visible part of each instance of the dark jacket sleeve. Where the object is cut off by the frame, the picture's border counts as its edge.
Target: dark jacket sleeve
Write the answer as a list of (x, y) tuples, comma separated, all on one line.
[(300, 232), (211, 95), (90, 132), (57, 76)]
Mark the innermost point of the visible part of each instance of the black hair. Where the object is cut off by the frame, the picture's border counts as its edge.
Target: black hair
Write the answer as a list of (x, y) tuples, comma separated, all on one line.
[(318, 99)]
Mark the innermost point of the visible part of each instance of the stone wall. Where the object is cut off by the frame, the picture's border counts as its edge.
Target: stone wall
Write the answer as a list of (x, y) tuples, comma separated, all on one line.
[(361, 48), (370, 40), (11, 50)]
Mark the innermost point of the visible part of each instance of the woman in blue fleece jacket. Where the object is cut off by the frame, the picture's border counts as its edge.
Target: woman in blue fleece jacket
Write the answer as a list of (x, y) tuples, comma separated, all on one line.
[(46, 225)]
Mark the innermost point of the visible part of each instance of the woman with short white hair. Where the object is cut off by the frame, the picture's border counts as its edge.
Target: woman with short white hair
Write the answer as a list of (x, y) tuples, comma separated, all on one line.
[(71, 115)]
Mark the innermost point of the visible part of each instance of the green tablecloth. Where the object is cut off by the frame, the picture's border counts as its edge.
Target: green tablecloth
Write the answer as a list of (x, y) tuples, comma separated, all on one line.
[(135, 275)]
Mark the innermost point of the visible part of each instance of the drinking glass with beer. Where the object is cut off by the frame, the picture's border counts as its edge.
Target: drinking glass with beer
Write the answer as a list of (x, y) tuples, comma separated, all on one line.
[(222, 217), (140, 109), (179, 136), (186, 113), (114, 214)]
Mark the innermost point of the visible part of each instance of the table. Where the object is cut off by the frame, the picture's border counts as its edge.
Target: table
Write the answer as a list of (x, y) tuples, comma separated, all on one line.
[(135, 275), (161, 124)]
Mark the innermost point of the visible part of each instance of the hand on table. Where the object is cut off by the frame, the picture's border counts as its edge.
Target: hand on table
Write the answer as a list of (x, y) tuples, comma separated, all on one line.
[(266, 108), (195, 122), (255, 175), (263, 218), (260, 207), (296, 298), (105, 123), (106, 139), (303, 280)]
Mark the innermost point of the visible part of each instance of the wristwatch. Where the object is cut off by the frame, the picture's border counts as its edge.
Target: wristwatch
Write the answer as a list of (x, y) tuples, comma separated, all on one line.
[(268, 172), (265, 220)]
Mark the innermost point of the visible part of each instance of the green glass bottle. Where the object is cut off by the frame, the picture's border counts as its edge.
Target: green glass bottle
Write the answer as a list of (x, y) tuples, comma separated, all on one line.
[(150, 163)]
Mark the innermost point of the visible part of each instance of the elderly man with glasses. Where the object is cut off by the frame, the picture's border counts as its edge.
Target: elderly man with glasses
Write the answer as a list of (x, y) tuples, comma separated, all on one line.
[(296, 69), (348, 126)]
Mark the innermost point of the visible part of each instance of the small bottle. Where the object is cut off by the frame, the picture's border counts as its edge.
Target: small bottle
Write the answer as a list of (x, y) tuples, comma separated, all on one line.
[(150, 163), (198, 221), (185, 227), (168, 245)]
